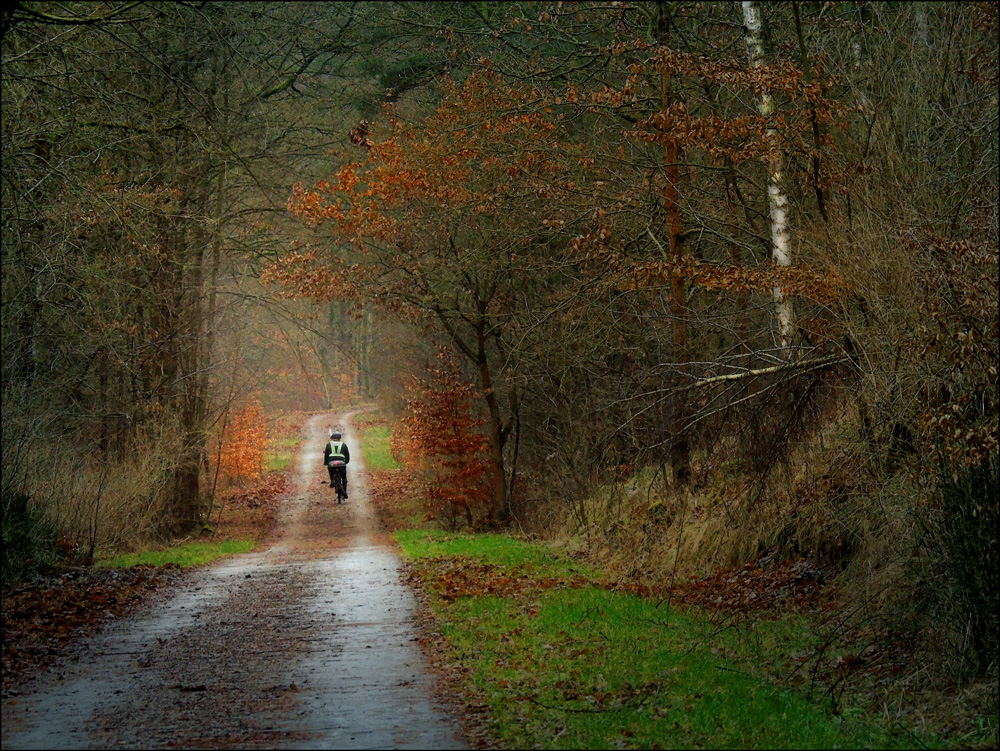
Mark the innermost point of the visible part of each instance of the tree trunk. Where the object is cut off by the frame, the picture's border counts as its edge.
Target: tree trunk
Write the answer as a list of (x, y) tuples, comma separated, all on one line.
[(813, 120), (781, 251), (680, 447), (497, 434)]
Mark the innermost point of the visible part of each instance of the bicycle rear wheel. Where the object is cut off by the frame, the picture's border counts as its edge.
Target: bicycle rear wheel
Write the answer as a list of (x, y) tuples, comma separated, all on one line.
[(338, 484)]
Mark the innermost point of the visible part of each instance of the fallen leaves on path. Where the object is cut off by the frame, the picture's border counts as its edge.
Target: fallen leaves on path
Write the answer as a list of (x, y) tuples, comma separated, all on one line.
[(250, 511), (41, 618)]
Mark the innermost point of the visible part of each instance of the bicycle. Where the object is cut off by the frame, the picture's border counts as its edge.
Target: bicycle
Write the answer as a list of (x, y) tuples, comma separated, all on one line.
[(339, 479)]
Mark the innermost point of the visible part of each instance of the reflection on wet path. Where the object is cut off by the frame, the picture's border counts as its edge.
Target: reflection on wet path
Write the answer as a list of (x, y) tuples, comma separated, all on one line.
[(374, 692)]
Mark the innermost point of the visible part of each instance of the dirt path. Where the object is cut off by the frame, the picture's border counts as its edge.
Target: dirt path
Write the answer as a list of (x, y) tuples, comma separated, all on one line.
[(308, 644)]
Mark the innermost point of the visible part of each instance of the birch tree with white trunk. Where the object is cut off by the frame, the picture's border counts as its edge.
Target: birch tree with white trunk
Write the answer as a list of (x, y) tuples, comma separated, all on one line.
[(781, 251)]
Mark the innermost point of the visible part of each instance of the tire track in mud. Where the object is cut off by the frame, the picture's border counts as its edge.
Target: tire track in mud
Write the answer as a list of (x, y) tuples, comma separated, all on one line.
[(308, 644)]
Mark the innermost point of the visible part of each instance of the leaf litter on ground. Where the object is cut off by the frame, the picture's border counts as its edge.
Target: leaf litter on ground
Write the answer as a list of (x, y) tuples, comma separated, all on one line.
[(44, 616)]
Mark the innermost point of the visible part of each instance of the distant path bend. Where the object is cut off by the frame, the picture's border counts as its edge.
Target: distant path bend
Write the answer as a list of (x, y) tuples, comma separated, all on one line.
[(308, 644)]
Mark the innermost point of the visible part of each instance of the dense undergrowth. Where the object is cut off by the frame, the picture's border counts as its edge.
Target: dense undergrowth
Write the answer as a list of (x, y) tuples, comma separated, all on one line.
[(906, 568), (77, 519)]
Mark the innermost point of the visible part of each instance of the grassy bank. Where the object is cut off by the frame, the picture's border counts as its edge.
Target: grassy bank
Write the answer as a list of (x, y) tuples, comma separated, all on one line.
[(280, 453), (189, 554), (243, 511), (375, 434), (395, 493), (561, 662)]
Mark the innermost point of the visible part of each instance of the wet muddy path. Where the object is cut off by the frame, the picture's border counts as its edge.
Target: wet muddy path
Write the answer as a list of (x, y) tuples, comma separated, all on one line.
[(308, 644)]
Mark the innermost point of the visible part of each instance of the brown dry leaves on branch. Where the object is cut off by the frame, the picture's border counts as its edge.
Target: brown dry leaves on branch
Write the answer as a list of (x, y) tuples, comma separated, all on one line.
[(956, 344), (440, 425), (822, 285), (244, 443)]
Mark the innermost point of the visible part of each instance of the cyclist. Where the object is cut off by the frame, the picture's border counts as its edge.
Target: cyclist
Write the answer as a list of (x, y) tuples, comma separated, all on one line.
[(336, 450)]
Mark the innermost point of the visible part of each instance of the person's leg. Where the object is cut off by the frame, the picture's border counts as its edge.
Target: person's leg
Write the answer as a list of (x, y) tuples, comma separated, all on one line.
[(331, 471)]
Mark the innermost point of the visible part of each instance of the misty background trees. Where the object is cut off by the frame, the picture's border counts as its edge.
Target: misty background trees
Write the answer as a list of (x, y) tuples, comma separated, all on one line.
[(709, 279)]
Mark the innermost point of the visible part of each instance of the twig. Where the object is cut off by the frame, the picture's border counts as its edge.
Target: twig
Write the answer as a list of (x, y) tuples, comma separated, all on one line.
[(595, 710)]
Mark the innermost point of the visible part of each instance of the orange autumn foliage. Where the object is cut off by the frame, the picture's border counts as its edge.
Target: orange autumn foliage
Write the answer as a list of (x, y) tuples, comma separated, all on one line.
[(244, 441), (441, 439), (497, 150)]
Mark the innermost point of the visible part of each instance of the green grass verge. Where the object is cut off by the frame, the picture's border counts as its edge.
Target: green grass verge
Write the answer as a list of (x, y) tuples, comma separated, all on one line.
[(579, 666), (367, 417), (376, 448), (493, 549), (191, 554), (280, 454)]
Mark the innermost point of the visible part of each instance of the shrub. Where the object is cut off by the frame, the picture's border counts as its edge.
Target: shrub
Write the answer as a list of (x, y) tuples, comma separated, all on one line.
[(29, 537), (242, 444), (962, 532), (441, 439)]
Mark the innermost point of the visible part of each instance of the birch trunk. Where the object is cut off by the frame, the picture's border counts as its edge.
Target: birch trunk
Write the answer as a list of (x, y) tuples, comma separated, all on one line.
[(781, 251)]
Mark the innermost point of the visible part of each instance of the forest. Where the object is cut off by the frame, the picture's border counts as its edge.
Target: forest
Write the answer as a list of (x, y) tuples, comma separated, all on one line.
[(691, 284)]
